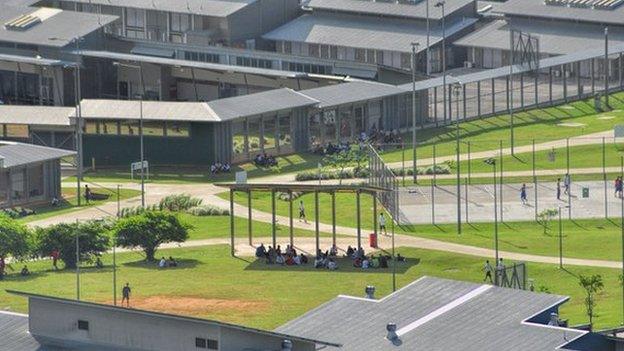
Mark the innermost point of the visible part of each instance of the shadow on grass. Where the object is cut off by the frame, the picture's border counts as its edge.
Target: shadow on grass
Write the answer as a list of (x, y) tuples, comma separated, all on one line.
[(183, 263), (17, 277), (345, 265)]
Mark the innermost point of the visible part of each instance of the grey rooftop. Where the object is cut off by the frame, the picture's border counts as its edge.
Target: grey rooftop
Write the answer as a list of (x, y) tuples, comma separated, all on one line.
[(438, 314), (215, 8), (15, 154), (406, 10), (537, 8), (36, 115)]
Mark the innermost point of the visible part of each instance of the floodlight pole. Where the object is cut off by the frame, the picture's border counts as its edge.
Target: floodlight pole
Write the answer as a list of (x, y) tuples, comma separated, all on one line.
[(414, 50), (622, 227), (606, 66), (115, 253), (560, 241), (77, 262), (441, 4), (457, 90), (428, 68), (394, 261), (511, 62), (492, 162)]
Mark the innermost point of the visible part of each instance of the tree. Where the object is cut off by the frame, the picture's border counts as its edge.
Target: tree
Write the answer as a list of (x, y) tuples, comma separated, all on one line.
[(545, 217), (149, 230), (592, 285), (92, 241), (15, 239)]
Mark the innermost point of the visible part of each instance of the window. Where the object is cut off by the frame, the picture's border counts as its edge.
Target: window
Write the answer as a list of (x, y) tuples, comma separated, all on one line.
[(35, 181), (254, 135), (313, 50), (269, 132), (287, 47), (178, 129), (370, 56), (109, 128), (130, 128), (18, 184), (83, 325), (153, 128), (360, 55), (333, 52), (90, 127), (17, 131), (135, 18), (379, 58), (209, 344), (406, 60), (284, 133), (325, 51), (180, 22)]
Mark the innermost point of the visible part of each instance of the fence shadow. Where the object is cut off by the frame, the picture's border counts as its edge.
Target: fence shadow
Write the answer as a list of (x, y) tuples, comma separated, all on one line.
[(345, 265)]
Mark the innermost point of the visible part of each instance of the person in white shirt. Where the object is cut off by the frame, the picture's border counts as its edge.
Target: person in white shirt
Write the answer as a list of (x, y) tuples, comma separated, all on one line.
[(162, 263), (382, 224), (488, 271), (302, 214)]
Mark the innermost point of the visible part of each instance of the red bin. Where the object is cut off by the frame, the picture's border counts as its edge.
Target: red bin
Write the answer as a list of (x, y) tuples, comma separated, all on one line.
[(372, 240)]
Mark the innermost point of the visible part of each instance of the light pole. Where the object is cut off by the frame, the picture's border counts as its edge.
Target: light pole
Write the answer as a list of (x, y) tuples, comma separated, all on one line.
[(492, 162), (561, 238), (142, 150), (79, 121), (606, 66), (440, 4), (414, 51), (457, 87), (428, 68)]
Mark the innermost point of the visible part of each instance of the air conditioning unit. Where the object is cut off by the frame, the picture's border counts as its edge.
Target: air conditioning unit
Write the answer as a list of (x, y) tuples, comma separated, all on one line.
[(468, 64)]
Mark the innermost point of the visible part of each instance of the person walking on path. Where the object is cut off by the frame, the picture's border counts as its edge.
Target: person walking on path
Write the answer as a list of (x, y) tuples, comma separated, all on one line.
[(302, 214), (566, 184), (558, 188), (125, 293), (488, 271), (382, 224), (87, 193), (523, 194)]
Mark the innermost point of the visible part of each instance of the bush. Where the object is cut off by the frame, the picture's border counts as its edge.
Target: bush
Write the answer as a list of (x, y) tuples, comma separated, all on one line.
[(333, 174), (133, 211), (429, 170), (18, 212), (286, 196), (177, 203), (208, 210)]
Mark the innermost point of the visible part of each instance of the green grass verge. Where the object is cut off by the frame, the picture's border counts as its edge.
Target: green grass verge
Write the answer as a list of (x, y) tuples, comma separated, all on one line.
[(540, 125), (211, 284)]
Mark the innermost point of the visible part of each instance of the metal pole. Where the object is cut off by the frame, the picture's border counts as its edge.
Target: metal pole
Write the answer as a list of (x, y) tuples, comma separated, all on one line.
[(316, 224), (403, 161), (77, 261), (466, 197), (433, 186), (469, 163), (511, 116), (394, 262), (232, 222), (273, 219), (333, 196), (358, 219), (249, 218), (141, 136), (495, 212), (290, 218), (560, 241), (428, 36), (604, 177), (570, 183), (501, 180), (441, 5), (622, 227), (457, 158), (534, 182), (115, 253), (414, 49), (606, 66), (79, 119)]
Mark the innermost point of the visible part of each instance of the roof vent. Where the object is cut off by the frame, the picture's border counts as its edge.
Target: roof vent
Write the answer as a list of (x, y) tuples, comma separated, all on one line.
[(370, 292), (22, 22), (287, 345), (554, 319), (392, 335)]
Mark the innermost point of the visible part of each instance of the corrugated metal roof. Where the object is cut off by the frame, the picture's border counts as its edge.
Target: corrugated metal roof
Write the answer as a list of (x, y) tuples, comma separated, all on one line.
[(15, 336), (418, 10), (491, 320), (36, 115), (557, 38), (255, 104), (35, 60), (19, 154), (361, 31), (152, 110), (199, 65), (64, 26), (335, 95), (537, 8), (213, 8)]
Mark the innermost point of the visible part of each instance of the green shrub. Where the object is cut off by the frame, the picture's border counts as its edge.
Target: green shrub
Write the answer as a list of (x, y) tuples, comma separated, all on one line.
[(429, 170), (284, 196), (207, 210), (133, 211), (180, 202), (333, 174)]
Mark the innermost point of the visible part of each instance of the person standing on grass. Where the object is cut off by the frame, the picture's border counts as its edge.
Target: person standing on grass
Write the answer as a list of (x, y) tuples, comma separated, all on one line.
[(558, 188), (302, 214), (55, 257), (488, 271), (382, 224), (523, 194), (125, 293), (566, 184)]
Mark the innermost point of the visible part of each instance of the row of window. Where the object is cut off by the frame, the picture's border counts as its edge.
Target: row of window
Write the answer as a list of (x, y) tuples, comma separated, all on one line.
[(306, 67), (254, 62), (18, 131), (201, 57), (108, 127)]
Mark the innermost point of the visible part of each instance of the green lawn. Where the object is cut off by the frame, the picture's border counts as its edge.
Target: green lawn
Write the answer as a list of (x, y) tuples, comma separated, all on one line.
[(185, 175), (210, 227), (539, 124), (582, 238), (69, 203), (210, 284)]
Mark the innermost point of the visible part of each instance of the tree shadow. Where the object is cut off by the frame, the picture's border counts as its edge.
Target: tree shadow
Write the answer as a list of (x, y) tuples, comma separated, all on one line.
[(17, 277), (345, 265), (183, 263)]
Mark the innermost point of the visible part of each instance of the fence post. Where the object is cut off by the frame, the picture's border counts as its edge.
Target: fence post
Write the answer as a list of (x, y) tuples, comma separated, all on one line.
[(469, 164), (433, 186), (604, 176), (466, 197), (570, 177), (534, 182), (500, 142)]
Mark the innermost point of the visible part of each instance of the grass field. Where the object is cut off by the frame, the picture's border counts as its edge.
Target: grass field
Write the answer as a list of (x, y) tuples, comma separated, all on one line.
[(185, 175), (69, 203), (211, 284), (581, 238), (486, 134)]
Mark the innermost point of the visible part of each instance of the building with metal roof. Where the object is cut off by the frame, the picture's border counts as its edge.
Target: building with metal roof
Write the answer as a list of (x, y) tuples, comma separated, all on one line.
[(373, 32), (440, 314), (61, 324), (29, 174)]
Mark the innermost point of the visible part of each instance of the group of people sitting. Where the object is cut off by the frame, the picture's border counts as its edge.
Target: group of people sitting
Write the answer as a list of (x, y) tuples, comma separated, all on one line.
[(264, 160), (275, 255), (381, 137), (219, 167), (330, 148), (164, 263)]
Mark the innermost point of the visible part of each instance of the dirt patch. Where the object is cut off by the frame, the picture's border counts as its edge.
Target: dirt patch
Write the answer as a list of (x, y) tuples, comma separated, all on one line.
[(572, 124), (196, 306), (606, 117)]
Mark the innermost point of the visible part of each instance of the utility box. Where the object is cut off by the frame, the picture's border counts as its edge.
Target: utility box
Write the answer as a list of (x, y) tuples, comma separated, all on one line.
[(372, 240), (585, 192)]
